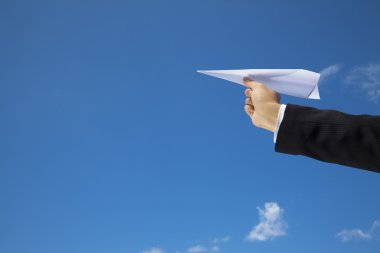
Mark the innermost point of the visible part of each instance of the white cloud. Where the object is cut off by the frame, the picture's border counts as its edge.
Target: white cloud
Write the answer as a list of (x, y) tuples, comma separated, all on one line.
[(352, 234), (197, 248), (271, 223), (358, 234), (367, 78), (221, 240), (215, 249), (201, 248), (153, 250), (329, 71)]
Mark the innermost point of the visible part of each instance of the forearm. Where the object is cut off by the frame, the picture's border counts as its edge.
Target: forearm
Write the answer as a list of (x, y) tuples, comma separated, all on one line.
[(331, 136)]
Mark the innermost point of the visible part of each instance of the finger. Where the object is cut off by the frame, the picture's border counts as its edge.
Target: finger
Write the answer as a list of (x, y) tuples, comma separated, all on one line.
[(248, 101), (250, 83), (247, 93), (249, 109)]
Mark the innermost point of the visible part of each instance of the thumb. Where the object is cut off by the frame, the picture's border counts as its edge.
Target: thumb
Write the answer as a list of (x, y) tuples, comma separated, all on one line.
[(250, 83)]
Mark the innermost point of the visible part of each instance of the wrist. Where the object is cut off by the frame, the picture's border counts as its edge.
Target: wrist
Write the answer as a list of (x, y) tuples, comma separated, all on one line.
[(271, 116)]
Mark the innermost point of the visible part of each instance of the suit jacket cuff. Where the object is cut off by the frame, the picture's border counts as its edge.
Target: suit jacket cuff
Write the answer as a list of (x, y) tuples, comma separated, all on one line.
[(288, 136)]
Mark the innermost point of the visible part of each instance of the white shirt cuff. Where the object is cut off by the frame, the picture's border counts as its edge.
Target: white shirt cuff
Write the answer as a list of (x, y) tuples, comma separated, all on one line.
[(280, 117)]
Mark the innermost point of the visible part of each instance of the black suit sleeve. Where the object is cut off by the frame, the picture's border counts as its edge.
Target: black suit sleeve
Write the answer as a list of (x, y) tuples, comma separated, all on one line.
[(331, 136)]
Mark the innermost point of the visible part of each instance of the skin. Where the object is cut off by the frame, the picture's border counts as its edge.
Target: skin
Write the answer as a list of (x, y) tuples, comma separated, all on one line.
[(261, 105)]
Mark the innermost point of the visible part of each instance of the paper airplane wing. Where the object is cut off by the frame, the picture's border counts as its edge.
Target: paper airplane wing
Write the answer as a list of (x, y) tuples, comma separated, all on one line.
[(294, 82)]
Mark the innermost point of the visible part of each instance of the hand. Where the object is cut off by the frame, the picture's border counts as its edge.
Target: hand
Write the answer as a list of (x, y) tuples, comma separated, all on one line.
[(262, 104)]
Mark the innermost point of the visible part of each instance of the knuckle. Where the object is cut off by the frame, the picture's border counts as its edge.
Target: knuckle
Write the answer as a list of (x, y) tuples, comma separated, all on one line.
[(259, 85)]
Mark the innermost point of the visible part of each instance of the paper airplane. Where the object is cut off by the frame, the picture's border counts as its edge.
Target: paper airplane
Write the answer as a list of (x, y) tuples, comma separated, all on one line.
[(294, 82)]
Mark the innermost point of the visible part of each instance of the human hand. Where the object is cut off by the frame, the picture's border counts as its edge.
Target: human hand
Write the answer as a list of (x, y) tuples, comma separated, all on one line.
[(261, 105)]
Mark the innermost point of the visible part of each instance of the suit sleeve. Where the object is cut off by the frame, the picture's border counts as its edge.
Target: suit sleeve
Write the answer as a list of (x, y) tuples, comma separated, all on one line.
[(331, 136)]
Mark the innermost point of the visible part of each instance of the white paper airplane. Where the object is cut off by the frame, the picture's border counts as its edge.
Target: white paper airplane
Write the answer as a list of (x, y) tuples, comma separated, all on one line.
[(294, 82)]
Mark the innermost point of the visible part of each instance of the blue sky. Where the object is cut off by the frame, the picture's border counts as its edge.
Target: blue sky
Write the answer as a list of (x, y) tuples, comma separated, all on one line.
[(111, 142)]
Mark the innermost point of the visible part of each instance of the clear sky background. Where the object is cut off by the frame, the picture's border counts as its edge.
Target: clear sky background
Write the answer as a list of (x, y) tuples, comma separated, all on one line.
[(110, 142)]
